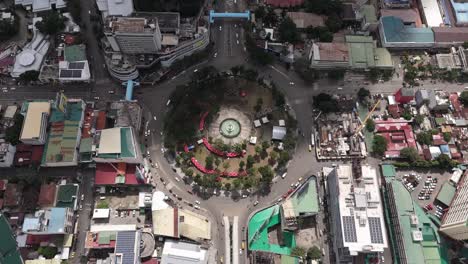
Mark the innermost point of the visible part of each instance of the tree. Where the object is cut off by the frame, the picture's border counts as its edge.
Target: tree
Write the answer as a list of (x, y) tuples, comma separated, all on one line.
[(250, 161), (270, 18), (447, 136), (267, 174), (189, 172), (379, 145), (209, 162), (334, 23), (325, 103), (321, 34), (363, 93), (302, 67), (323, 7), (217, 162), (465, 45), (410, 154), (424, 138), (370, 125), (288, 31), (47, 252), (241, 165), (445, 162), (258, 149), (283, 158), (265, 145), (260, 12), (336, 74), (418, 119), (298, 252), (12, 133), (226, 165), (406, 115), (8, 29), (257, 54), (464, 98), (197, 179), (51, 24), (314, 253), (237, 183), (227, 186), (29, 76)]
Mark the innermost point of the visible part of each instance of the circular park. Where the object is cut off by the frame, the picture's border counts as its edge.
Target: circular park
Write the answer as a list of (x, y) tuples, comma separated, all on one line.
[(229, 130)]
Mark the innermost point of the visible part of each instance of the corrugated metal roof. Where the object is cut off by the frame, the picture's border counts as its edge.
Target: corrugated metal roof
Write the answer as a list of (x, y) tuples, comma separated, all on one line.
[(125, 245), (110, 141)]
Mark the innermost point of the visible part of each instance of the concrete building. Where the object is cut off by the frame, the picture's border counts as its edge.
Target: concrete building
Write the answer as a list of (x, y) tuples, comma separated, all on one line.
[(7, 154), (133, 35), (49, 221), (73, 68), (31, 56), (115, 7), (41, 5), (183, 252), (357, 220), (177, 223), (35, 123), (455, 219), (395, 34), (431, 13), (9, 252), (414, 236), (118, 144), (63, 142)]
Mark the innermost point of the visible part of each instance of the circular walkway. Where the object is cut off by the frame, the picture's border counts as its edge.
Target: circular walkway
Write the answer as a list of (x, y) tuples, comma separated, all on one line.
[(230, 113)]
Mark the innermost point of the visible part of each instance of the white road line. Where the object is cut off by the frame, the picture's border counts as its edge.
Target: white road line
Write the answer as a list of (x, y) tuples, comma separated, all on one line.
[(280, 72)]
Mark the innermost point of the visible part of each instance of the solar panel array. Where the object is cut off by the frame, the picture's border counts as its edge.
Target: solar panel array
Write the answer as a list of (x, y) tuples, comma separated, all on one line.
[(70, 74), (76, 65), (349, 228), (375, 230), (125, 245)]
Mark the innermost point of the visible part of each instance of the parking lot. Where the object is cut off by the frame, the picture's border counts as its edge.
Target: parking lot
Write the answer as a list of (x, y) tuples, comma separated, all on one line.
[(423, 185)]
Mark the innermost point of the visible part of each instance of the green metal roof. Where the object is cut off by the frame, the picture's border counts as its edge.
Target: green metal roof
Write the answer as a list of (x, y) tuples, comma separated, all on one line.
[(388, 170), (427, 251), (8, 250), (86, 145), (75, 53), (66, 195), (361, 49), (305, 201), (285, 259), (258, 232), (396, 31), (105, 237), (383, 58), (446, 193)]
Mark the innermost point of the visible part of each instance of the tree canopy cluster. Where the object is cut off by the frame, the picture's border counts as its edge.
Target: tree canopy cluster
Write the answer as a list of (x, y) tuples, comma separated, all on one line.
[(325, 103), (52, 23)]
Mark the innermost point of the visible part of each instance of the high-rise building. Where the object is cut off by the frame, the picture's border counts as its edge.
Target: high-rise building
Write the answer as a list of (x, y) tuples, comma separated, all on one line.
[(454, 223), (357, 221), (133, 35), (34, 131)]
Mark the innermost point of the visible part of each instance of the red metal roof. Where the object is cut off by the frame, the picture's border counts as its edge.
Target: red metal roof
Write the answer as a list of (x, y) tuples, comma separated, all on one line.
[(106, 174), (12, 195), (399, 135), (37, 239), (101, 120), (47, 195)]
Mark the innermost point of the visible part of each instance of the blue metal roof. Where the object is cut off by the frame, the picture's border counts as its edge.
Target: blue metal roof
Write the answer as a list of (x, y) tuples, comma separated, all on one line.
[(125, 245), (57, 220), (396, 31)]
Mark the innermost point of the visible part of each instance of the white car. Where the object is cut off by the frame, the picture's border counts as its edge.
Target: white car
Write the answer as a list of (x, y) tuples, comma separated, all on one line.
[(197, 207), (220, 28), (111, 92), (340, 88), (197, 202), (237, 42), (13, 88), (291, 83), (82, 197), (255, 203), (154, 117), (237, 35), (177, 179), (195, 70), (215, 55), (284, 175), (244, 196), (168, 102)]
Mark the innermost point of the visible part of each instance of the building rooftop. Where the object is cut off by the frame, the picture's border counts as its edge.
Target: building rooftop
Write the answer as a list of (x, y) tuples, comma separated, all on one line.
[(360, 206), (458, 210), (431, 11), (64, 135), (361, 49), (67, 195), (75, 53), (416, 231), (450, 34), (32, 124), (446, 193), (388, 170), (304, 20), (369, 14), (8, 248), (408, 16), (116, 174), (165, 222), (459, 8), (194, 226), (13, 195), (131, 24), (127, 247), (396, 32), (117, 144), (183, 253), (126, 114), (47, 195), (115, 7), (332, 52), (303, 202), (32, 55)]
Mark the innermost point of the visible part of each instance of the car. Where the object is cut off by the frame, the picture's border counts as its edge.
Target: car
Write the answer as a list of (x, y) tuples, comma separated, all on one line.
[(237, 35), (284, 175), (300, 179), (168, 102), (255, 203), (334, 165), (133, 213), (215, 55), (111, 92), (89, 12), (195, 70), (240, 252), (244, 196), (13, 88), (279, 199), (96, 97), (237, 42), (382, 259), (297, 184), (220, 28), (197, 207), (430, 207), (310, 148), (82, 197), (177, 179), (340, 88), (292, 184), (81, 206), (214, 192), (197, 202)]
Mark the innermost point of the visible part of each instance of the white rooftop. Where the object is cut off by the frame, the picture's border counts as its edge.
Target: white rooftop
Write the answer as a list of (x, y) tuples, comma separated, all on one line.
[(458, 211), (32, 55), (183, 253), (115, 7), (432, 13), (106, 227), (110, 141), (362, 219), (101, 213), (158, 202), (41, 5)]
